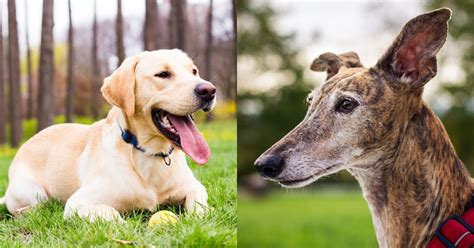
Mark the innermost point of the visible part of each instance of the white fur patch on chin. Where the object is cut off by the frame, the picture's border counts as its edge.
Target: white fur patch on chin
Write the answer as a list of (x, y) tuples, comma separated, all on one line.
[(300, 184), (313, 178)]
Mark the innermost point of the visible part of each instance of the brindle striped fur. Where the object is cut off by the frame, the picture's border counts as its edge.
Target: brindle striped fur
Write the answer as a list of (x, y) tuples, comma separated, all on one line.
[(393, 143)]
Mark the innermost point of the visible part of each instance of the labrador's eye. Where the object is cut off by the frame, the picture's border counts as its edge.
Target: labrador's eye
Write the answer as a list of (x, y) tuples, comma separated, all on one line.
[(195, 71), (346, 105), (163, 74)]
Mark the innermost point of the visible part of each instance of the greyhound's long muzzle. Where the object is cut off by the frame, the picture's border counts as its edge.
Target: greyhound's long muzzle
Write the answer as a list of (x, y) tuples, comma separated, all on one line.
[(269, 166)]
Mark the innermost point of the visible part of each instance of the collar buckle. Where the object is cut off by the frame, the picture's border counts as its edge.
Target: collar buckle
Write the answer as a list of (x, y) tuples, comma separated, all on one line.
[(167, 160)]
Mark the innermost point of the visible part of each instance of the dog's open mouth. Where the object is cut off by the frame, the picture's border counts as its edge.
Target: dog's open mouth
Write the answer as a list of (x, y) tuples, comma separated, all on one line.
[(182, 131)]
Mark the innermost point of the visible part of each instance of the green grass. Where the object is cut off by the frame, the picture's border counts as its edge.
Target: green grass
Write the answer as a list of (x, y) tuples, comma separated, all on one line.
[(44, 226), (305, 219)]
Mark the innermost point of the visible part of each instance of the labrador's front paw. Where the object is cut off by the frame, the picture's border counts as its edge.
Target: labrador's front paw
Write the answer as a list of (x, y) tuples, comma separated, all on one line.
[(196, 201), (94, 212)]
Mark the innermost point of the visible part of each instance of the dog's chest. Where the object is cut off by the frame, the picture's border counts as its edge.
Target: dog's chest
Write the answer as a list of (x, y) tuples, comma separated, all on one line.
[(165, 182)]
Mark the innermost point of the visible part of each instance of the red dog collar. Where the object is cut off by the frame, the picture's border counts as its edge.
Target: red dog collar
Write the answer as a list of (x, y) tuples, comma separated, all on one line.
[(455, 232)]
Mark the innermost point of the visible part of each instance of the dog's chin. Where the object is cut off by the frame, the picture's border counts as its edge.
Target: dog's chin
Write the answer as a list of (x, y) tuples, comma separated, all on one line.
[(209, 106), (299, 183)]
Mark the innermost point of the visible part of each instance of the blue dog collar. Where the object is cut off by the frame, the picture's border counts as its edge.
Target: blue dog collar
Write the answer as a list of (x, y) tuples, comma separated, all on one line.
[(130, 138)]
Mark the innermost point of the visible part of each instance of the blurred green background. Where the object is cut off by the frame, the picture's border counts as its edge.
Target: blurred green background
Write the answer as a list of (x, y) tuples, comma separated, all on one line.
[(277, 41)]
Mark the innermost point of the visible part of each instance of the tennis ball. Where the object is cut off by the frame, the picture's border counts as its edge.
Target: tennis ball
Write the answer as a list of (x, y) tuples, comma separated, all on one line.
[(163, 217)]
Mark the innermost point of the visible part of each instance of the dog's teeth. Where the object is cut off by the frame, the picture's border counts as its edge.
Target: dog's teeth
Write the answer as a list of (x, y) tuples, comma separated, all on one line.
[(172, 129), (166, 121)]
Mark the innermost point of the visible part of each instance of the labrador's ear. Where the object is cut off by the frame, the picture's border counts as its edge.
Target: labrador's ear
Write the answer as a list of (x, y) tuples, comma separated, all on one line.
[(411, 59), (119, 88), (331, 63)]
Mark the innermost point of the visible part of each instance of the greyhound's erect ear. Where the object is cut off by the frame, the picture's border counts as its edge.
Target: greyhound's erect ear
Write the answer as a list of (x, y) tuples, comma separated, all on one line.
[(119, 88), (411, 58), (331, 63)]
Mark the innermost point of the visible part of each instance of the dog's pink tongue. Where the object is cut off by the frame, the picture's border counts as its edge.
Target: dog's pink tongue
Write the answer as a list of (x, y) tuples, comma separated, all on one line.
[(191, 139)]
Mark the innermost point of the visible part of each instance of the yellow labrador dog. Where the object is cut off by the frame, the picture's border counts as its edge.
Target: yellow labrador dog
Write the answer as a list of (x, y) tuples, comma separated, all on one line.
[(134, 158)]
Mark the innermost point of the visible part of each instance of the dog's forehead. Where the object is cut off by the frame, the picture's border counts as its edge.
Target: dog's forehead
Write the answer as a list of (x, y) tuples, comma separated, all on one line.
[(165, 58), (349, 80)]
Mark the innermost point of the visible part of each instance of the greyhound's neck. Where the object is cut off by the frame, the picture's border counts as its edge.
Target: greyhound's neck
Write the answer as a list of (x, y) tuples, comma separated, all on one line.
[(415, 184)]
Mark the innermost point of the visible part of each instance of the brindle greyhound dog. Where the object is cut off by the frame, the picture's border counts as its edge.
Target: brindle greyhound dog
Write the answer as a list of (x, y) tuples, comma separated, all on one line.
[(374, 123)]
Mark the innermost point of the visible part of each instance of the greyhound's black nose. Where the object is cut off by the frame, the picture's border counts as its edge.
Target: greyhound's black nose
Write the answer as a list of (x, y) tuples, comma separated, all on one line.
[(269, 166), (205, 91)]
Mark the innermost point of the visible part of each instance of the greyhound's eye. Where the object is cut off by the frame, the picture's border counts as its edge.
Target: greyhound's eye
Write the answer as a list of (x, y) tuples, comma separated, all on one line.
[(346, 105), (195, 71), (309, 99), (163, 74)]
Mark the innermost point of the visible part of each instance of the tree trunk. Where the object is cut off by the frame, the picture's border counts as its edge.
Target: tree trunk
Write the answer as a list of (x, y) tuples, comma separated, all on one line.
[(171, 23), (3, 109), (179, 13), (29, 112), (14, 76), (208, 62), (181, 24), (150, 29), (119, 32), (234, 18), (70, 71), (95, 86), (207, 70), (233, 90), (46, 68)]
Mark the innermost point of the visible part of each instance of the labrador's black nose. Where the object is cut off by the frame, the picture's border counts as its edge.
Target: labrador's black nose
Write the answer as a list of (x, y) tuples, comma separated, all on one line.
[(269, 165), (205, 91)]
